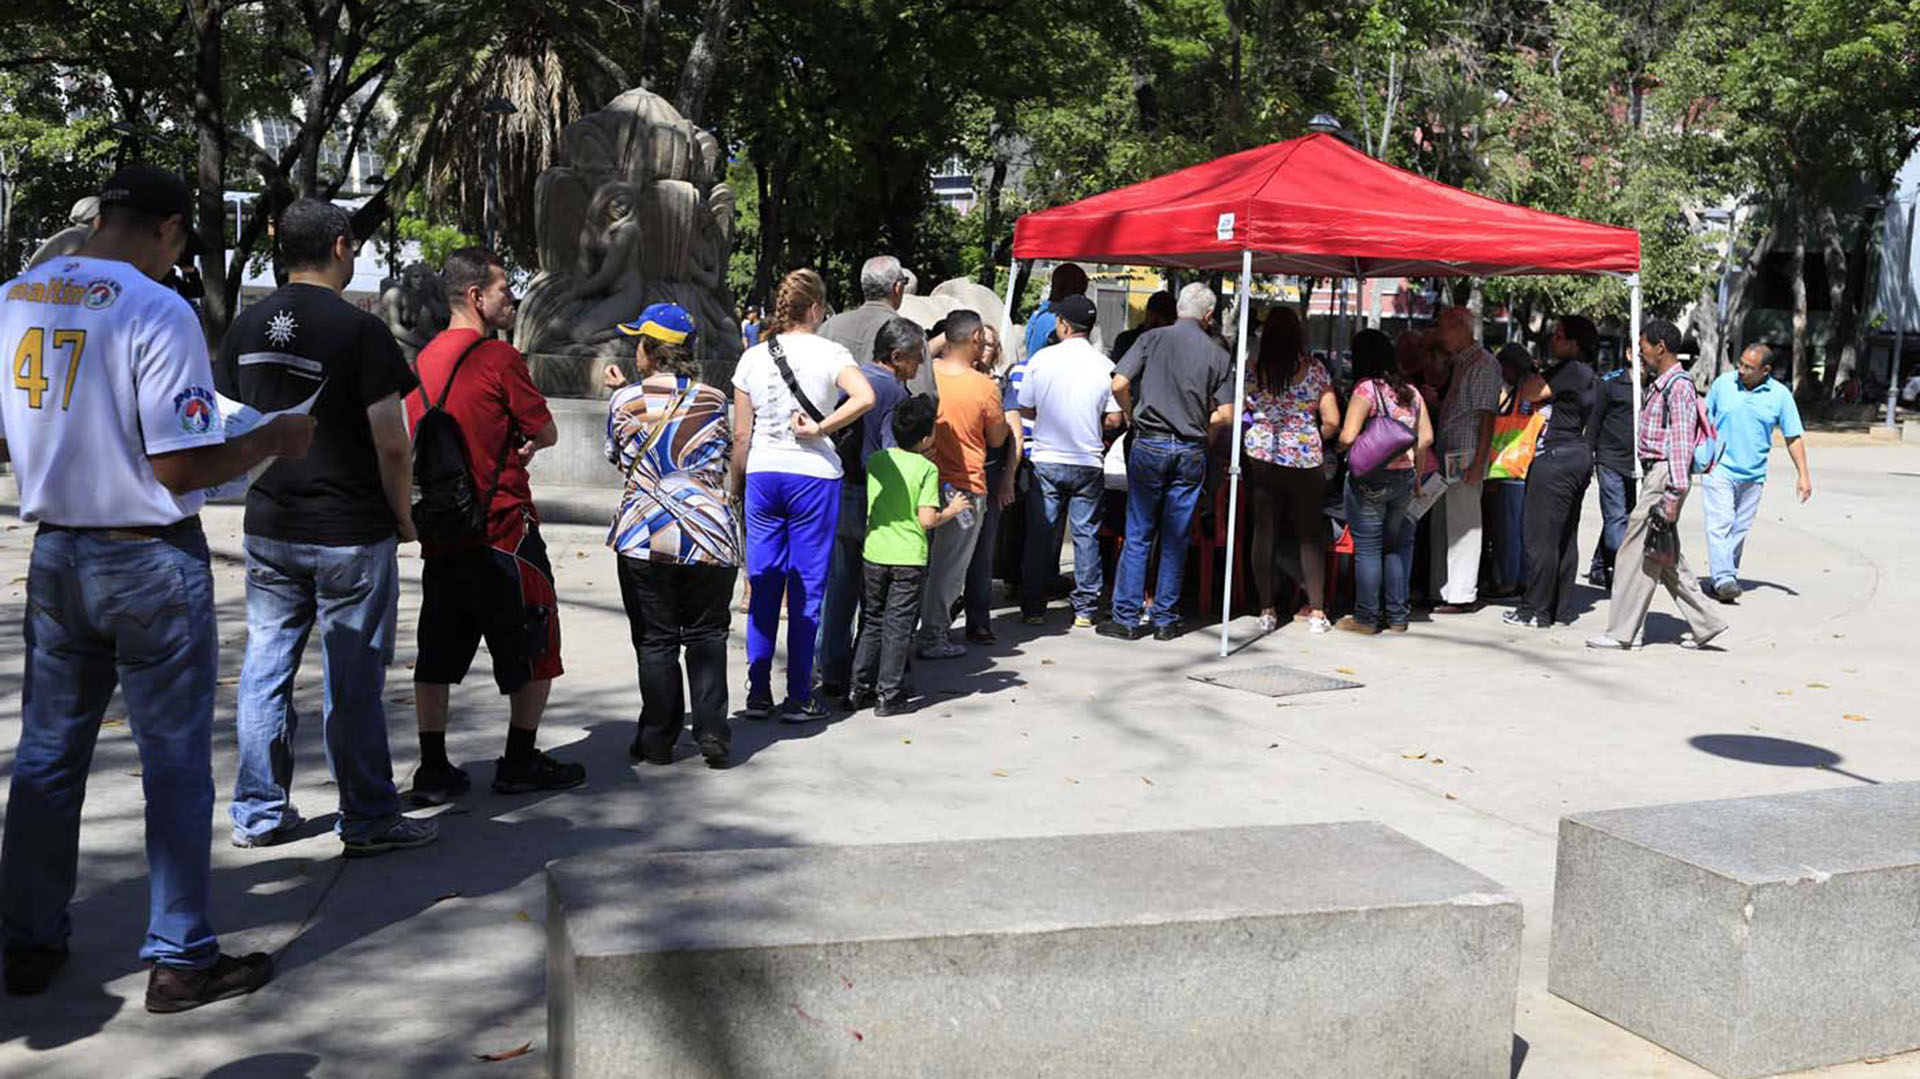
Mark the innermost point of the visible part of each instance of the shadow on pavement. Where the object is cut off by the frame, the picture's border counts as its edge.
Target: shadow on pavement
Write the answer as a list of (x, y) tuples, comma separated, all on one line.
[(1777, 752)]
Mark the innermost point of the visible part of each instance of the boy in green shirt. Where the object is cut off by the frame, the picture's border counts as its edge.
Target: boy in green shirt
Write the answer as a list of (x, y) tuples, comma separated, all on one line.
[(903, 499)]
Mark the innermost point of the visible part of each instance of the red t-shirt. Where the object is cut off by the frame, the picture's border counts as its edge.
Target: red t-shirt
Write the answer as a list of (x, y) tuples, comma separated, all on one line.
[(493, 398)]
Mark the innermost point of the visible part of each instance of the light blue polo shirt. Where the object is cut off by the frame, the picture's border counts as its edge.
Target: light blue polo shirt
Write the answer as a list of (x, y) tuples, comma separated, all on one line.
[(1746, 418)]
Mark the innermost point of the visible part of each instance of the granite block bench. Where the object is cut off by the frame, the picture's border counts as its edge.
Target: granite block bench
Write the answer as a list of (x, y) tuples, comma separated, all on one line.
[(1331, 951), (1752, 936)]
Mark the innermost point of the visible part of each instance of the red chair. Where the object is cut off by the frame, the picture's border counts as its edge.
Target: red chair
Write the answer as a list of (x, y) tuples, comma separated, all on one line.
[(1341, 546), (1210, 542)]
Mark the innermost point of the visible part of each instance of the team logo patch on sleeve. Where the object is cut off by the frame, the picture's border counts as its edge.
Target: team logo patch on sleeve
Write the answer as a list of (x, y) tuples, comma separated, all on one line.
[(195, 408), (100, 294)]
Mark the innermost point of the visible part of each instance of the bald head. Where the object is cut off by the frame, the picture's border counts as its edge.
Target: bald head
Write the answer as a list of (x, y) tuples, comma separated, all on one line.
[(1456, 328)]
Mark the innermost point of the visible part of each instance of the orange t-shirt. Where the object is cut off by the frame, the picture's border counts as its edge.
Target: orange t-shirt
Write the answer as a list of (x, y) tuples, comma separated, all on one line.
[(969, 407)]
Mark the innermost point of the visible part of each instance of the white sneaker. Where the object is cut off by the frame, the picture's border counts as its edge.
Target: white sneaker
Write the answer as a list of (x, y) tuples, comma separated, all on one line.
[(1693, 644), (1269, 623), (1319, 624), (942, 650)]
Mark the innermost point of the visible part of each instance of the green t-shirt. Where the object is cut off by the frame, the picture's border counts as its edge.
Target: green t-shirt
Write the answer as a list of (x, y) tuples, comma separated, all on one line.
[(899, 482)]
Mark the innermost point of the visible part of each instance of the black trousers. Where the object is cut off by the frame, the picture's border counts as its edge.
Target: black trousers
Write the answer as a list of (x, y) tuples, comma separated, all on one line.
[(889, 611), (671, 608), (1550, 527)]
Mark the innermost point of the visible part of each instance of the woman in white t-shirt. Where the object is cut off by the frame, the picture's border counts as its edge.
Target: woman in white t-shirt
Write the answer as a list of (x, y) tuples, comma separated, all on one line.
[(791, 393)]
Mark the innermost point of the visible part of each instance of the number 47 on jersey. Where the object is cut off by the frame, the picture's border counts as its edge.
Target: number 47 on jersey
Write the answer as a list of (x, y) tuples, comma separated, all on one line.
[(30, 358)]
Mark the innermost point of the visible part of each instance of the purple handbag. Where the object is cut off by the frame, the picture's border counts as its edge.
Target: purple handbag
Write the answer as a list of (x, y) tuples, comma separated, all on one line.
[(1381, 441)]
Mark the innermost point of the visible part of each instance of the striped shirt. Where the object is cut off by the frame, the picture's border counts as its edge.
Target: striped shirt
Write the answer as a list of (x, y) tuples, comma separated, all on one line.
[(675, 506), (1669, 421)]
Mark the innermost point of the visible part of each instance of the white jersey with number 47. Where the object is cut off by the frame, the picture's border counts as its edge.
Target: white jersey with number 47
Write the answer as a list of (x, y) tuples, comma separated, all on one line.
[(104, 366)]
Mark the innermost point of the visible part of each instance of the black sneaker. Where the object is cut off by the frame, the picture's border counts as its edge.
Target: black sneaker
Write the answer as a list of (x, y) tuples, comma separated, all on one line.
[(810, 712), (538, 772), (834, 698), (179, 989), (31, 970), (1526, 619), (862, 698), (1168, 632), (715, 749), (897, 707), (1120, 632), (438, 784), (403, 834), (638, 752), (982, 635), (758, 706)]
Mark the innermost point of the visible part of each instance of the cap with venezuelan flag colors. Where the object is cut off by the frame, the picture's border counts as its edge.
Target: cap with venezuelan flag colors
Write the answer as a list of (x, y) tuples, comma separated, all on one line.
[(667, 322)]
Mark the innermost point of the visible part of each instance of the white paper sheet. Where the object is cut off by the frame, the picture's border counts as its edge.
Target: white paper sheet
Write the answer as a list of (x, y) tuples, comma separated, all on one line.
[(239, 420)]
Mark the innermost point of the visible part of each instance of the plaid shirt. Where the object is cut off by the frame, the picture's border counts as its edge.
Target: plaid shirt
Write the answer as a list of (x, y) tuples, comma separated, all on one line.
[(1668, 422)]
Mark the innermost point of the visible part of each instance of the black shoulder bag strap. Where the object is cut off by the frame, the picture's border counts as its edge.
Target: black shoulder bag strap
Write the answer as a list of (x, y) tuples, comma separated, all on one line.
[(793, 384), (448, 388)]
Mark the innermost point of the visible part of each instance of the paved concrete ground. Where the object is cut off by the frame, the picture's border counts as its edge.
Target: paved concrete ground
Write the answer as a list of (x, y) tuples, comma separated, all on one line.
[(1469, 736)]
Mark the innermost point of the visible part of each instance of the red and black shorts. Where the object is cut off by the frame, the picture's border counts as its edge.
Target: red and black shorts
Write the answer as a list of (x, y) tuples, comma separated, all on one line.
[(505, 597)]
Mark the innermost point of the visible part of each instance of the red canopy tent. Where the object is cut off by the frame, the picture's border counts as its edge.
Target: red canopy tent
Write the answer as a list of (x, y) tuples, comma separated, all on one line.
[(1316, 206)]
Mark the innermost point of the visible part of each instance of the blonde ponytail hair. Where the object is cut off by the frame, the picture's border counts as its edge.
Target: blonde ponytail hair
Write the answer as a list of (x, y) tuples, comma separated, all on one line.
[(793, 300)]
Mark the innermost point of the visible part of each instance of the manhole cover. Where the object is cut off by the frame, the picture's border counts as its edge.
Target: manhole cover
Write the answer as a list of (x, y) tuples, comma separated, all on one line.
[(1275, 681)]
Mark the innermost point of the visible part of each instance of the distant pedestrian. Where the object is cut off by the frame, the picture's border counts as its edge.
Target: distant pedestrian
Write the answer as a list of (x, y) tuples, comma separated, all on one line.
[(1377, 501), (1177, 385), (791, 393), (1515, 437), (971, 418), (1611, 436), (1068, 280), (114, 432), (749, 327), (1747, 405), (1160, 312), (496, 586), (1557, 479), (1291, 412), (1068, 394), (896, 354), (1465, 436), (674, 538), (321, 537), (903, 506), (1670, 431), (1005, 463)]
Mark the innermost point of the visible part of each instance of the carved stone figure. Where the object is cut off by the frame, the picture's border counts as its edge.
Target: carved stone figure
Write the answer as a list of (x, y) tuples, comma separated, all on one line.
[(634, 214), (415, 308)]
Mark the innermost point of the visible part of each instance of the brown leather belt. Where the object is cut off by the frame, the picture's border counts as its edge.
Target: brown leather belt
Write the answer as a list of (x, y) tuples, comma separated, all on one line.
[(185, 525)]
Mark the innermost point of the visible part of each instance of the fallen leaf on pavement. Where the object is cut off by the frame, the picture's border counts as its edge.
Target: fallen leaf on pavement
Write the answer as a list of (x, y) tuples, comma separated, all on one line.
[(1345, 670), (507, 1054), (1453, 797), (1046, 663), (906, 741), (1000, 773), (1073, 781), (136, 775), (1414, 754), (230, 680), (1854, 717), (1874, 1060), (1784, 692), (581, 554), (1438, 760), (522, 916), (113, 721), (1273, 745), (1147, 781), (1818, 685)]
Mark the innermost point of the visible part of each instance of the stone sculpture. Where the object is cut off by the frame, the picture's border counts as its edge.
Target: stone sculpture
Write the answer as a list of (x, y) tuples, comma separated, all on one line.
[(414, 306), (636, 213)]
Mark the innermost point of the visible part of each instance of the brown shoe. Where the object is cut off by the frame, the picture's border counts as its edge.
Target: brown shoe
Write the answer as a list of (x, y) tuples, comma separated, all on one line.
[(1354, 625), (1456, 608), (179, 989), (1397, 627)]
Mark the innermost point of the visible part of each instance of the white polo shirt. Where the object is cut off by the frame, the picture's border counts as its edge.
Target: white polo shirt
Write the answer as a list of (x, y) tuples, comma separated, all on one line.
[(1069, 386), (105, 366)]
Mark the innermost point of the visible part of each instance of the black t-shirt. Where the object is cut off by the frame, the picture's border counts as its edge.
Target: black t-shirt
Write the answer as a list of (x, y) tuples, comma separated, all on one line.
[(1572, 383), (1611, 432), (276, 353)]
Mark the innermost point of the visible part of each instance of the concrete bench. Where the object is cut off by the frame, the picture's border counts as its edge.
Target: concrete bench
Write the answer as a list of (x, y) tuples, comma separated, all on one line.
[(1335, 951), (1752, 936)]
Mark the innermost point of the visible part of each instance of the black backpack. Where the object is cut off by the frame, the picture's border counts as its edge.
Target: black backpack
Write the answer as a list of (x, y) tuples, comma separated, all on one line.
[(445, 508)]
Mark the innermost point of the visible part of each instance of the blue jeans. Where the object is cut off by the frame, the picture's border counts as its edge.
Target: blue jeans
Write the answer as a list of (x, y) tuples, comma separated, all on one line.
[(1616, 498), (1063, 495), (353, 594), (846, 579), (1731, 506), (1505, 517), (1164, 477), (138, 612), (790, 527), (1382, 545)]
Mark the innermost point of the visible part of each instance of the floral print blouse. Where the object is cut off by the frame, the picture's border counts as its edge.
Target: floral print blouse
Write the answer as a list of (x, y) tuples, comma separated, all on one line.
[(1284, 428)]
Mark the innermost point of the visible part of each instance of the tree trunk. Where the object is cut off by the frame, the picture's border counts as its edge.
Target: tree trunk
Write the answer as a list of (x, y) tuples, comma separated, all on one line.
[(990, 225), (1802, 354), (703, 58), (210, 128), (1737, 304), (324, 28), (650, 44)]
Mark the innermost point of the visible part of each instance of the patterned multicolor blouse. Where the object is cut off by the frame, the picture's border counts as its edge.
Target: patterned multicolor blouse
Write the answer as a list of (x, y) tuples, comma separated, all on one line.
[(675, 508), (1284, 428)]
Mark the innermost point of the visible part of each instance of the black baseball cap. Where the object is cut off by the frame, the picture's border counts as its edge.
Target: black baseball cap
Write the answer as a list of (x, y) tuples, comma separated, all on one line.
[(155, 191), (1076, 309)]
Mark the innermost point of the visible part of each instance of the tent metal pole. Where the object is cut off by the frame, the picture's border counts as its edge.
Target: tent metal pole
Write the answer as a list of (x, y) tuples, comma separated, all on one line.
[(1633, 364), (1007, 352), (1233, 454)]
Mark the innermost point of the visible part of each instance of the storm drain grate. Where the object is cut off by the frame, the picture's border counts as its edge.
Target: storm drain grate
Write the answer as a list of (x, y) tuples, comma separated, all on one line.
[(1275, 681)]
